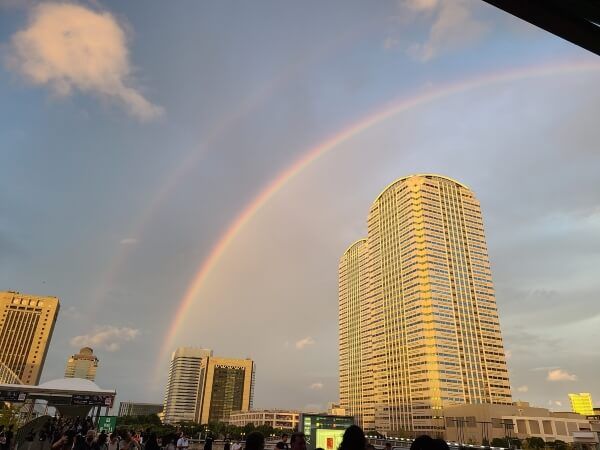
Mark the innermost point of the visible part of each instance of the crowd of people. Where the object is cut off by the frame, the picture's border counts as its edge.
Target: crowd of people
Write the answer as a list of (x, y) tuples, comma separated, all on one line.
[(80, 434)]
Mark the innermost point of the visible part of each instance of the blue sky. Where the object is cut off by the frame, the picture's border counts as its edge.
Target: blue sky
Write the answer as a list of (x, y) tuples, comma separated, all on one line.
[(130, 137)]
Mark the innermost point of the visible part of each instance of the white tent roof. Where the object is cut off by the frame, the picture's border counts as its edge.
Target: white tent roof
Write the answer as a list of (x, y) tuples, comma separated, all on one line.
[(71, 384)]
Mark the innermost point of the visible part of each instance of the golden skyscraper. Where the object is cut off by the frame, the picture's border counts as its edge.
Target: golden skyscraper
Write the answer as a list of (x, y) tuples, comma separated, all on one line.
[(26, 327), (582, 403), (419, 328), (82, 365)]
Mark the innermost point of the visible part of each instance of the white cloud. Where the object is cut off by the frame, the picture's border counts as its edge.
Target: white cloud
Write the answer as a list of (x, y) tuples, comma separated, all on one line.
[(302, 343), (560, 375), (507, 354), (107, 337), (70, 47), (316, 386), (453, 26), (523, 388), (129, 241)]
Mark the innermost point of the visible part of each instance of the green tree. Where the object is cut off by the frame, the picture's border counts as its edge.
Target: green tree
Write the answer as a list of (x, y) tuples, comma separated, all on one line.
[(535, 442), (499, 442), (9, 414)]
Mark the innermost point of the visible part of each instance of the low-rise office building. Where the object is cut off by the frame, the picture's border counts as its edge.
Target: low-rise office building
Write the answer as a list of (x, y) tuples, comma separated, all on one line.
[(139, 409), (477, 423), (277, 418)]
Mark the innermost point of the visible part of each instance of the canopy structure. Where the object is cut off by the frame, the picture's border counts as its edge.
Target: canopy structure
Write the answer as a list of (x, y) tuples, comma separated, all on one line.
[(70, 396)]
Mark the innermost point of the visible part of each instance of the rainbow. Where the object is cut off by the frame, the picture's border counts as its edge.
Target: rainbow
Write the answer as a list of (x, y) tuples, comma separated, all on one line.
[(390, 110)]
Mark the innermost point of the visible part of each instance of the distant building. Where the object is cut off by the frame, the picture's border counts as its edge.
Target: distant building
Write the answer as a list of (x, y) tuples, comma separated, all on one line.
[(203, 388), (26, 326), (226, 385), (139, 409), (418, 322), (582, 403), (182, 397), (476, 423), (82, 365), (277, 418)]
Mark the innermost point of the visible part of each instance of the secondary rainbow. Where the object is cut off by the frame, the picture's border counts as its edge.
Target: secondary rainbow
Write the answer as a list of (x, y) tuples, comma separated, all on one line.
[(346, 134)]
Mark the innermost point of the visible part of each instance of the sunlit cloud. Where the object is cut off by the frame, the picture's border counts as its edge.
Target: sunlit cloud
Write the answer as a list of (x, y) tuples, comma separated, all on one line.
[(69, 47), (129, 241), (303, 343), (560, 375), (106, 337), (523, 388), (453, 26), (316, 386)]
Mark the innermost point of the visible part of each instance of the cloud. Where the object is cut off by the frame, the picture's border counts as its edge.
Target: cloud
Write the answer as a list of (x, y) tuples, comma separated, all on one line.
[(69, 47), (316, 386), (507, 354), (454, 25), (129, 241), (523, 389), (560, 375), (304, 342), (107, 337)]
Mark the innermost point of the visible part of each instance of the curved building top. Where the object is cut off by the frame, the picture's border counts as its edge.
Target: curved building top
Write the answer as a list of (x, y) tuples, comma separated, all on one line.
[(424, 175)]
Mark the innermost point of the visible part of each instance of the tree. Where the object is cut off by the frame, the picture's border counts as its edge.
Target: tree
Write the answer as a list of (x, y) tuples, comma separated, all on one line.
[(9, 414), (535, 442), (500, 442)]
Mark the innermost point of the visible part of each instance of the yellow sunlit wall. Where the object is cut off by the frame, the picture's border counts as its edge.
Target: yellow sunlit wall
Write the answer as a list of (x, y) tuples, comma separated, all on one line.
[(582, 403)]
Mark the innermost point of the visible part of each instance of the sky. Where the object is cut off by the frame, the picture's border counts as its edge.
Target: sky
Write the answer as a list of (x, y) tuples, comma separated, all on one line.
[(141, 147)]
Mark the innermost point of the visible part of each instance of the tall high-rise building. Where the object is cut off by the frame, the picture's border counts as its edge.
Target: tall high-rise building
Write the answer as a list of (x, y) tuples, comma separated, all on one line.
[(418, 323), (26, 326), (139, 409), (582, 403), (182, 394), (203, 388), (82, 365), (226, 385)]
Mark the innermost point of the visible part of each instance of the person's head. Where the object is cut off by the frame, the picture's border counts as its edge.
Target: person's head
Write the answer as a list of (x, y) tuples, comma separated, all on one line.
[(152, 437), (255, 441), (298, 441), (353, 439), (102, 438), (422, 443), (182, 434), (126, 435), (113, 437), (388, 446), (284, 437), (439, 444), (90, 435)]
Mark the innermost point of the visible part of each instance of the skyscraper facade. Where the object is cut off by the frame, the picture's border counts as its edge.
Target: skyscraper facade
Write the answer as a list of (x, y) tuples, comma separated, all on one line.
[(226, 385), (203, 388), (26, 326), (82, 365), (419, 327), (582, 403), (182, 395)]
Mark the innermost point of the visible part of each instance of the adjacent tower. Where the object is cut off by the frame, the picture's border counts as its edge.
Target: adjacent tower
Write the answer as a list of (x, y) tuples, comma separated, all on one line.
[(26, 326), (182, 395), (82, 365), (417, 302)]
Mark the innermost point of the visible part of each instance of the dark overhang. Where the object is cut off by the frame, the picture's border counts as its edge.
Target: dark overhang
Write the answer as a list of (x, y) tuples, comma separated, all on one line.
[(576, 21)]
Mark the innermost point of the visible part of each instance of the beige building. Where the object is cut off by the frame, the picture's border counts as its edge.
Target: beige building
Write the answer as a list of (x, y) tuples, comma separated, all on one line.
[(82, 365), (277, 418), (226, 385), (475, 424), (582, 403), (203, 388), (182, 394), (418, 324), (26, 327)]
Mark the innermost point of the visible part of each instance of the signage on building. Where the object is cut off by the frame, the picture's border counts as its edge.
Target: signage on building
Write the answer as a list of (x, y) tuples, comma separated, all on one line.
[(13, 396), (323, 430), (595, 417), (107, 424), (92, 400)]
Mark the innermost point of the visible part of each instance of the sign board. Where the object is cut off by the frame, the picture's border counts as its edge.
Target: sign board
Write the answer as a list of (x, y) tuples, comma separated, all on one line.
[(92, 400), (107, 423), (324, 430), (13, 396)]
